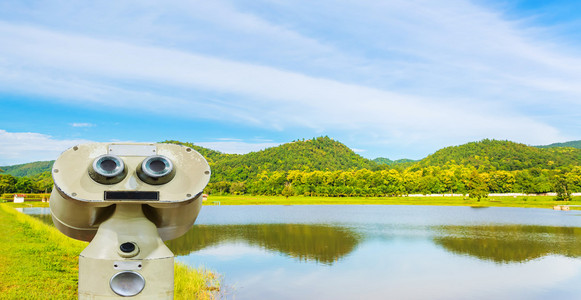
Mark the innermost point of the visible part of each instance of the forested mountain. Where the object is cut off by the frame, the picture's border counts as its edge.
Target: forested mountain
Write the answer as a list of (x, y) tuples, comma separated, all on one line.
[(572, 144), (29, 169), (504, 155), (317, 154), (211, 155), (324, 167), (389, 162), (326, 154)]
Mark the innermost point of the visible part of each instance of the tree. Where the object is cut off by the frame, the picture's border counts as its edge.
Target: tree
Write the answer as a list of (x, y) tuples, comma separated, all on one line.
[(501, 181), (477, 186), (7, 184), (561, 186), (43, 182), (220, 188), (237, 188), (24, 185), (288, 190), (524, 182)]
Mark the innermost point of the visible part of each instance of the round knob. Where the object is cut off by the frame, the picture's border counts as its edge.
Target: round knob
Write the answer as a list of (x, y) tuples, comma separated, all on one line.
[(128, 249)]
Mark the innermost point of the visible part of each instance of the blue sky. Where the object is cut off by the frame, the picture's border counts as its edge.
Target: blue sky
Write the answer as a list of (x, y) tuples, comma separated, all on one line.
[(395, 79)]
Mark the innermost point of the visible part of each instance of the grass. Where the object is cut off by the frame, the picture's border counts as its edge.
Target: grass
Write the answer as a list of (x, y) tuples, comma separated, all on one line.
[(27, 204), (504, 201), (193, 283), (39, 262)]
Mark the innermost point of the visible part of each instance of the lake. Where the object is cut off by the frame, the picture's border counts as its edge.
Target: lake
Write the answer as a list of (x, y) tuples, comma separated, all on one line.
[(386, 252)]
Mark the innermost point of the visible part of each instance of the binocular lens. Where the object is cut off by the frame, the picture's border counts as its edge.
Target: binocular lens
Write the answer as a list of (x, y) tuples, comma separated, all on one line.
[(107, 169), (157, 166), (156, 169), (108, 165)]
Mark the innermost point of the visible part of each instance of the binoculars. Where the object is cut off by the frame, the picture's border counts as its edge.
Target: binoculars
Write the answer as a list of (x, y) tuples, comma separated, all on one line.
[(126, 199)]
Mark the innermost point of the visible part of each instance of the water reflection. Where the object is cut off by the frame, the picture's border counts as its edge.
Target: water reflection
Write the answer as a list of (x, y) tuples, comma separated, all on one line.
[(510, 243), (320, 243), (326, 243), (386, 252), (45, 218)]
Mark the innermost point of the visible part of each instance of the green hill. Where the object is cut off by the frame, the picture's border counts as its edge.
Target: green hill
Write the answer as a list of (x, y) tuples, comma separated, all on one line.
[(325, 167), (326, 154), (389, 162), (383, 161), (572, 144), (29, 169), (322, 154), (504, 155), (211, 155)]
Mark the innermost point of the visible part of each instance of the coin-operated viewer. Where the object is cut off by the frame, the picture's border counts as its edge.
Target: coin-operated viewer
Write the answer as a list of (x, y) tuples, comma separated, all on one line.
[(126, 199)]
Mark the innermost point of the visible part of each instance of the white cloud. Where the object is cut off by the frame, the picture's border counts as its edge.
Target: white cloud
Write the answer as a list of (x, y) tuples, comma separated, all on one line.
[(82, 125), (25, 147), (398, 72), (262, 95)]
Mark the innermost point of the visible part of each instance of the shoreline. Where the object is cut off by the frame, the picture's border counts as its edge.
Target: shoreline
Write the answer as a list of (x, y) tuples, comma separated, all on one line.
[(547, 202), (533, 201)]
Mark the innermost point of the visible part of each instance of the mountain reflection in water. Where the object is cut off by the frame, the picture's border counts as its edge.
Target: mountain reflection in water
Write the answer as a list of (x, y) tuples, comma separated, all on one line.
[(327, 244), (510, 243), (320, 243), (45, 218), (385, 252)]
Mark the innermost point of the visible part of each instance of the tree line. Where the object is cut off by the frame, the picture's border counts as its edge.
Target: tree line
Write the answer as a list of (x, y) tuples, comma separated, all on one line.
[(40, 183), (453, 179)]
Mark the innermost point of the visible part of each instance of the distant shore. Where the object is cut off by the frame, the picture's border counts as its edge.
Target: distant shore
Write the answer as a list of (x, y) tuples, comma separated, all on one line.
[(536, 201), (491, 201)]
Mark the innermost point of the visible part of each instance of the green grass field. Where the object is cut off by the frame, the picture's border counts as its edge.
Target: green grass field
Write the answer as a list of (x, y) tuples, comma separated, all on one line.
[(39, 262), (528, 201)]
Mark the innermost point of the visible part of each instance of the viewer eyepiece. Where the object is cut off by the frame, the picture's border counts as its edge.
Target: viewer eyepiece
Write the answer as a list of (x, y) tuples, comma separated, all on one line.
[(107, 169), (108, 165), (156, 169)]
